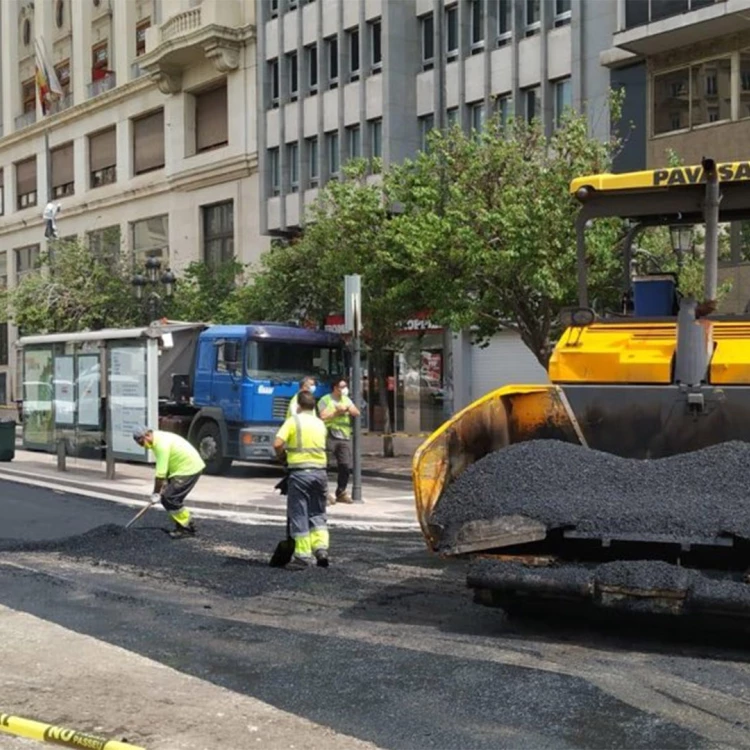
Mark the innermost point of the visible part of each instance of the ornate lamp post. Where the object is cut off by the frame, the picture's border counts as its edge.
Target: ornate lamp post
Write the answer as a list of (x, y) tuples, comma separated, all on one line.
[(152, 278)]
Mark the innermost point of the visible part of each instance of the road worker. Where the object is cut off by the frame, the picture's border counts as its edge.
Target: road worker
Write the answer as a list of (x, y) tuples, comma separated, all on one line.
[(301, 443), (178, 468), (336, 410), (306, 384)]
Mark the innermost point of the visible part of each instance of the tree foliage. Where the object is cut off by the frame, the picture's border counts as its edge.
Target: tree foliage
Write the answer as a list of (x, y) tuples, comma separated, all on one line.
[(73, 290)]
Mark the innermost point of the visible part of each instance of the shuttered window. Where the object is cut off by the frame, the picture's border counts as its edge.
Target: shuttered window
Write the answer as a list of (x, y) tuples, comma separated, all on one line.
[(26, 183), (148, 142), (103, 157), (62, 171), (2, 193), (211, 119)]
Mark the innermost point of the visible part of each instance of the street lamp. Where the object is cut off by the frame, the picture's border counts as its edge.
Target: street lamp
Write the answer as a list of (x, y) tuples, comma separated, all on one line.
[(682, 241), (152, 278)]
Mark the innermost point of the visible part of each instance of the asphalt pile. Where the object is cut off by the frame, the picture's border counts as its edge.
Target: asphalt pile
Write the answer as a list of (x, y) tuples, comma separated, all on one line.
[(697, 495)]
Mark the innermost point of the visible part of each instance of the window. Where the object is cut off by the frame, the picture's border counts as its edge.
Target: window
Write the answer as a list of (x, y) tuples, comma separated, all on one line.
[(3, 359), (376, 40), (376, 138), (104, 244), (273, 77), (477, 24), (562, 12), (103, 158), (63, 76), (140, 36), (274, 8), (698, 95), (332, 51), (292, 155), (504, 21), (27, 260), (533, 104), (291, 66), (148, 142), (99, 61), (426, 126), (744, 84), (428, 41), (150, 238), (312, 160), (354, 142), (311, 53), (332, 148), (211, 126), (292, 4), (60, 13), (274, 170), (218, 234), (28, 95), (563, 99), (353, 54), (451, 117), (532, 17), (2, 193), (3, 269), (505, 110), (638, 12), (476, 111), (61, 161), (26, 183)]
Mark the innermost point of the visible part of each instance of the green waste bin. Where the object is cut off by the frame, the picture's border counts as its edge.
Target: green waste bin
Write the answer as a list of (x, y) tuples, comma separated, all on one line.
[(7, 439)]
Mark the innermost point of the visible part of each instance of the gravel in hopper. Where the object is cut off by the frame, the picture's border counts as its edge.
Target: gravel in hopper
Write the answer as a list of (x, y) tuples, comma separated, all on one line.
[(694, 495)]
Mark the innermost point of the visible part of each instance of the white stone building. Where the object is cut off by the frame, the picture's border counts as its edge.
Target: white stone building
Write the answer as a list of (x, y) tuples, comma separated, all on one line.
[(153, 142)]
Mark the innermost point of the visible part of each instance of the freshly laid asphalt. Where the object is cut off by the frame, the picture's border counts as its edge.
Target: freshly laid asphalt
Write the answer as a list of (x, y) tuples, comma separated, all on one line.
[(386, 645)]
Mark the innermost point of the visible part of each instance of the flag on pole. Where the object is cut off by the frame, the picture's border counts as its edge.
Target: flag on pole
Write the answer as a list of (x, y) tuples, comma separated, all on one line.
[(47, 82)]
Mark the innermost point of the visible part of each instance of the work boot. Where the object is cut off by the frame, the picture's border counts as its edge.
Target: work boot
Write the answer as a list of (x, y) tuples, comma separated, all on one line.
[(321, 557), (300, 562), (180, 532), (331, 499), (344, 497)]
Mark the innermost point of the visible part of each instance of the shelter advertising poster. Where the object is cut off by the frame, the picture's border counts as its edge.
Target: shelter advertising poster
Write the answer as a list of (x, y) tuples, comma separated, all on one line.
[(128, 402), (89, 390), (38, 397), (65, 403)]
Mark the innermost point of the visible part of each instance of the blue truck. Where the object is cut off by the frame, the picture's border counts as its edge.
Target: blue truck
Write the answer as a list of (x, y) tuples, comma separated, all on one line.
[(227, 387)]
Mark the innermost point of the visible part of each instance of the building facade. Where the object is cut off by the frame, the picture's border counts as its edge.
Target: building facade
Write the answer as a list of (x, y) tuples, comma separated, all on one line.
[(150, 150), (340, 79), (688, 66)]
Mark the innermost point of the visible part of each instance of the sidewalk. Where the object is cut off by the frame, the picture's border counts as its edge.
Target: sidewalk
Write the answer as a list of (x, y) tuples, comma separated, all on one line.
[(247, 490)]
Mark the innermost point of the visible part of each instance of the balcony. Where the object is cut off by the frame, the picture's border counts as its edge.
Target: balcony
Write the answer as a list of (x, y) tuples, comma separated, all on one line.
[(26, 119), (136, 71), (213, 30), (106, 83), (64, 102), (653, 34)]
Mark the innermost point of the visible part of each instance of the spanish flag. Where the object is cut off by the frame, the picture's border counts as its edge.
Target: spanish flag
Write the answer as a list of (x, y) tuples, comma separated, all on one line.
[(47, 82)]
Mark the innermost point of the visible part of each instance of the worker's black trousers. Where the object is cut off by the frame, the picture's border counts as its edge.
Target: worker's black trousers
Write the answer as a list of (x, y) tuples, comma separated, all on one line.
[(340, 455), (176, 490)]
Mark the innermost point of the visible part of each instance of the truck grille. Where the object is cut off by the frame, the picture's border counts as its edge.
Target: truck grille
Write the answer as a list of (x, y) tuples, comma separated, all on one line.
[(280, 405)]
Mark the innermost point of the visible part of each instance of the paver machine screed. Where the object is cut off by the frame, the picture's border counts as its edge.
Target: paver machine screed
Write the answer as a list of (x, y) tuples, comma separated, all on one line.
[(640, 405)]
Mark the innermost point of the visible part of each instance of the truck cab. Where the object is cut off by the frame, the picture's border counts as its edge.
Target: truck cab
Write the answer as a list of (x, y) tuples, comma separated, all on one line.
[(243, 379)]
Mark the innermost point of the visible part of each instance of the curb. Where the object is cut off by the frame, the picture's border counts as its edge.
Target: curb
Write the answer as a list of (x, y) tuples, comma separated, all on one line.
[(71, 485)]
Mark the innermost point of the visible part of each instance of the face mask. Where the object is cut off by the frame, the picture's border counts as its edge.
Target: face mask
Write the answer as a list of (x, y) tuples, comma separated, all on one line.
[(344, 392), (312, 388)]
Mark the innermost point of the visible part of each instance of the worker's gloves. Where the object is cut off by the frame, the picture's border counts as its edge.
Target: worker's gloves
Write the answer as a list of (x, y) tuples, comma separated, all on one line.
[(155, 498)]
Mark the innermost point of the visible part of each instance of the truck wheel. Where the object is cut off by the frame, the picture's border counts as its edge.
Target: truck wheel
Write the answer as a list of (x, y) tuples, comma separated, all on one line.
[(211, 448)]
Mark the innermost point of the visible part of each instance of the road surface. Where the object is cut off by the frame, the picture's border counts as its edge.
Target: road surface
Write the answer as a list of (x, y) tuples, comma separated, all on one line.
[(197, 644)]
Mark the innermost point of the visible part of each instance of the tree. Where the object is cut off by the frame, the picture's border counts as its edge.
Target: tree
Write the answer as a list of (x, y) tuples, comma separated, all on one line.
[(490, 224), (73, 290)]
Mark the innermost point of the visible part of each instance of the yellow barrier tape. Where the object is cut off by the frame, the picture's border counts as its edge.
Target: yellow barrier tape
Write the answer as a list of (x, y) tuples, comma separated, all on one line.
[(36, 730)]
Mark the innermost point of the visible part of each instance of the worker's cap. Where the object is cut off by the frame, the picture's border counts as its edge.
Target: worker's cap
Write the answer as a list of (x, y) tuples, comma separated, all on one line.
[(140, 432)]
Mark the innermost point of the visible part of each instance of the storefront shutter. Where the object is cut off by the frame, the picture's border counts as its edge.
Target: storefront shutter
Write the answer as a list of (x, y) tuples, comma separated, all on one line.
[(26, 176), (62, 165), (211, 118), (102, 150), (148, 142)]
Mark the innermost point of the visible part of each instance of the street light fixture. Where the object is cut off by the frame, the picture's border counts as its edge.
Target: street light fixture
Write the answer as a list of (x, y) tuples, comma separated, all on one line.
[(682, 241), (152, 279)]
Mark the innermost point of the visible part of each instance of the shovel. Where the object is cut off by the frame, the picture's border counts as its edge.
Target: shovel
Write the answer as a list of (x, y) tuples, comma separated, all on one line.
[(141, 512)]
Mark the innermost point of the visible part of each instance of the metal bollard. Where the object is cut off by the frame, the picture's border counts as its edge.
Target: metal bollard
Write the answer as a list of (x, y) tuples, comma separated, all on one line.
[(61, 454)]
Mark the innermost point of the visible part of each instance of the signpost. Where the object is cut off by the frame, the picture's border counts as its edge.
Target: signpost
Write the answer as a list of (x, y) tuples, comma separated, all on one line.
[(353, 325)]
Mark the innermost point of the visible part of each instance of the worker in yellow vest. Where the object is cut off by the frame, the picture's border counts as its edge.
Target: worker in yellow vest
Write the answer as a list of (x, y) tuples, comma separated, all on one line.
[(336, 410), (178, 468), (301, 443), (306, 384)]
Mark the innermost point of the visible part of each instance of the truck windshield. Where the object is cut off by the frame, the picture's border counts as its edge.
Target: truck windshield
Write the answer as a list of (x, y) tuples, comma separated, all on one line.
[(275, 360)]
